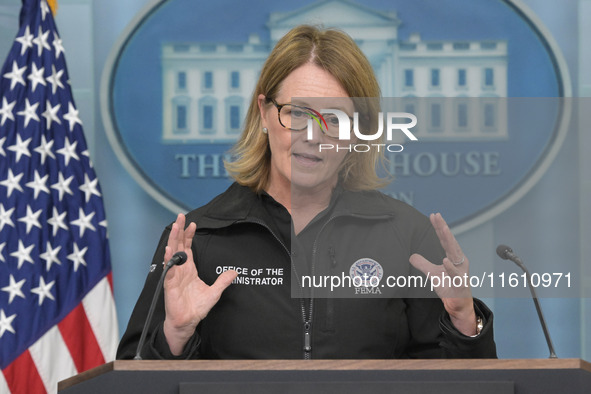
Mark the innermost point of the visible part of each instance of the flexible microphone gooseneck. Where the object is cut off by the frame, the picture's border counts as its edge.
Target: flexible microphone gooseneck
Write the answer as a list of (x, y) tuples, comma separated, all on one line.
[(178, 258), (506, 253)]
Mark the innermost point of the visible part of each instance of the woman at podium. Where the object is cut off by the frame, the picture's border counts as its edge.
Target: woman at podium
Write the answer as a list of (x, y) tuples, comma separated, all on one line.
[(302, 256)]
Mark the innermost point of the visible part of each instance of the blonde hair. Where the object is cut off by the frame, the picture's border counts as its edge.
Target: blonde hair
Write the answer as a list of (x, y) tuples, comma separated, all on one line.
[(337, 53)]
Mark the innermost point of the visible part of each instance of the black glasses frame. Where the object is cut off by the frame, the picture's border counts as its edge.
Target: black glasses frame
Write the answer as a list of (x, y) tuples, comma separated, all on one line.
[(280, 106)]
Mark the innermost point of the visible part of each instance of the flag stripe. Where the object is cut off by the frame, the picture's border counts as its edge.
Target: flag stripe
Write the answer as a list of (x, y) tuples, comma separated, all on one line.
[(110, 278), (3, 385), (53, 229), (53, 359), (22, 375), (80, 340), (99, 305)]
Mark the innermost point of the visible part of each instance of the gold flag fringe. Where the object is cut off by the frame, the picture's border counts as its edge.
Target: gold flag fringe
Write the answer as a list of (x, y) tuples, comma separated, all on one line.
[(53, 5)]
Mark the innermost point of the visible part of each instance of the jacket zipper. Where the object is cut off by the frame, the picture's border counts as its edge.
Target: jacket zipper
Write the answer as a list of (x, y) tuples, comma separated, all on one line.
[(307, 317), (307, 322)]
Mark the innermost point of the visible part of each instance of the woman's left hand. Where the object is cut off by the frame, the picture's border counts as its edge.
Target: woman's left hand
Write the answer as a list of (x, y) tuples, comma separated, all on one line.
[(457, 300)]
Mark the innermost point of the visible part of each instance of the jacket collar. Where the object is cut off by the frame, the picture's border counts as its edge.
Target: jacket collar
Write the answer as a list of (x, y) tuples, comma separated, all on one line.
[(240, 203), (229, 207), (367, 203)]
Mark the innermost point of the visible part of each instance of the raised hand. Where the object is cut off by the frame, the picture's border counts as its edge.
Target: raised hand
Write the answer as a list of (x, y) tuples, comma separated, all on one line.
[(187, 299), (457, 300)]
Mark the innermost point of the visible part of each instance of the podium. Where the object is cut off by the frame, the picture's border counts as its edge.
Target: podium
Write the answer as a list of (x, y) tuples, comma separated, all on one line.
[(482, 376)]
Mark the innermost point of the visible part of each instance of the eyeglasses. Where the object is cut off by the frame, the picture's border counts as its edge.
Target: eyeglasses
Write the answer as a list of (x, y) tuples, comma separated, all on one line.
[(295, 118)]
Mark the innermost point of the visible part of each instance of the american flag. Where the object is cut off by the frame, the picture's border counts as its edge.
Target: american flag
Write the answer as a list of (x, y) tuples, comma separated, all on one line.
[(57, 313)]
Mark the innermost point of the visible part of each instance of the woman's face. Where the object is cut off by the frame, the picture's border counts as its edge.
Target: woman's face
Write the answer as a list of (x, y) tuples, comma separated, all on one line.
[(297, 163)]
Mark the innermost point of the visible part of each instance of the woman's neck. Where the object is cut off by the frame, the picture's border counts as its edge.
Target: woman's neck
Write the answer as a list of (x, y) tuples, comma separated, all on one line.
[(302, 203)]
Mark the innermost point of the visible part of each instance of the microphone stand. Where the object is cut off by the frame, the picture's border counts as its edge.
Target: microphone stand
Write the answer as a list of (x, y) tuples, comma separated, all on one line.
[(178, 259), (538, 307), (506, 253)]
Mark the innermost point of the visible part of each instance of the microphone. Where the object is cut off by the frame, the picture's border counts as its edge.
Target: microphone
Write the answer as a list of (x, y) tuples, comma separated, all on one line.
[(506, 253), (178, 258)]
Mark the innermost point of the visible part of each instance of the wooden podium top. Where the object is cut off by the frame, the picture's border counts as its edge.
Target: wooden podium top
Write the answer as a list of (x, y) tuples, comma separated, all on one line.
[(326, 365)]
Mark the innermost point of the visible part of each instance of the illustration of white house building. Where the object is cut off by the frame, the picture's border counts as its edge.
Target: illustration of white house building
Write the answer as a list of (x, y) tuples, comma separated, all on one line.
[(455, 88)]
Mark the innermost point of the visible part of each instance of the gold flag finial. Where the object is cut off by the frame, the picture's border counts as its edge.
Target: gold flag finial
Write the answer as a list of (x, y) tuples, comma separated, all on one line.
[(53, 5)]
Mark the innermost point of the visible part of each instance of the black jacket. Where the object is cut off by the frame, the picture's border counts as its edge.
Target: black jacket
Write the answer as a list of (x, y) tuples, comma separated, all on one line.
[(261, 316)]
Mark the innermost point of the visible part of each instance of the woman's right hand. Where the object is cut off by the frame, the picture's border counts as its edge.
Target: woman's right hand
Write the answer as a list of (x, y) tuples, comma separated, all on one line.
[(187, 299)]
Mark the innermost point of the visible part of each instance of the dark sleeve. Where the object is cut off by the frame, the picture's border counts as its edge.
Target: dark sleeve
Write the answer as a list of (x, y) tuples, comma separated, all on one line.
[(457, 345), (434, 336), (432, 333), (155, 346)]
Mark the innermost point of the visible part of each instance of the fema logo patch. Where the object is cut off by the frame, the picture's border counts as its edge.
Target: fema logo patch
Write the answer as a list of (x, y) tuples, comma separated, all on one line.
[(366, 272)]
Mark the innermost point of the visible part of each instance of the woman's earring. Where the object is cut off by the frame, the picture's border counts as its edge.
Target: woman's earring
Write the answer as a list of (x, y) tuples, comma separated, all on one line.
[(265, 130)]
